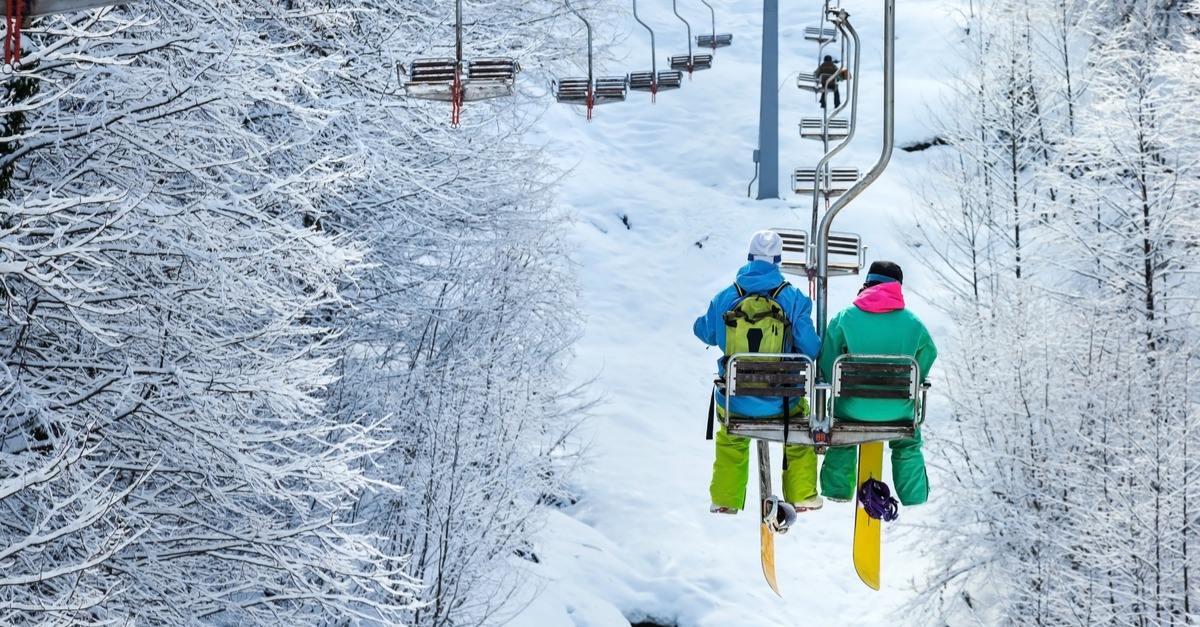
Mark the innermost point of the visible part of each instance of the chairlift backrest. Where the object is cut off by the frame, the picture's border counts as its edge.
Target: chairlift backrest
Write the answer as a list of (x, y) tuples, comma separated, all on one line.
[(880, 377), (820, 34), (40, 8), (714, 40), (815, 128)]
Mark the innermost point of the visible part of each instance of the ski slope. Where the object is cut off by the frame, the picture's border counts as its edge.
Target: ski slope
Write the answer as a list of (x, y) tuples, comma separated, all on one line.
[(659, 194)]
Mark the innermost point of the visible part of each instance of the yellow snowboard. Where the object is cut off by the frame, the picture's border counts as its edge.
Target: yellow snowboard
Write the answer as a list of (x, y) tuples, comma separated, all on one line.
[(866, 529)]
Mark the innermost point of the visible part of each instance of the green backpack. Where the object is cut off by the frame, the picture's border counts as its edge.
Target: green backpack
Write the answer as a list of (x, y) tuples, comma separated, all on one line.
[(756, 323)]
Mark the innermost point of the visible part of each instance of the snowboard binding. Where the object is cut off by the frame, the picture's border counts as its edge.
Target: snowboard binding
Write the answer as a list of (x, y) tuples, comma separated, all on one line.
[(778, 514), (877, 501)]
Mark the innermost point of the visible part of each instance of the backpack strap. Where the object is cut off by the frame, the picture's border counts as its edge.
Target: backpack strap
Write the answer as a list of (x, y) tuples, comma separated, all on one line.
[(712, 409)]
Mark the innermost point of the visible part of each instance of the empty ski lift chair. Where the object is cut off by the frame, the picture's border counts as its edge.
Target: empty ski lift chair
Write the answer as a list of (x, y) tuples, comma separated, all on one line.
[(41, 8), (457, 80), (714, 40), (17, 12), (815, 128), (689, 62), (589, 91), (846, 253), (653, 81), (835, 183), (806, 81), (820, 34)]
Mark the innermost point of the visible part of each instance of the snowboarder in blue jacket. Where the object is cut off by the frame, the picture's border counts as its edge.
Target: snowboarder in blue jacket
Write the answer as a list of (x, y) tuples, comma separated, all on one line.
[(731, 469)]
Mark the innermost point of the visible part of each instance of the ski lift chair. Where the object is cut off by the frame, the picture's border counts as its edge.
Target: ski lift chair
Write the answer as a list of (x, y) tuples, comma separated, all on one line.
[(794, 259), (432, 79), (40, 8), (653, 81), (785, 375), (815, 128), (896, 377), (805, 180), (688, 62), (590, 91), (806, 81), (489, 77), (457, 80), (846, 254), (820, 34), (714, 40), (789, 375)]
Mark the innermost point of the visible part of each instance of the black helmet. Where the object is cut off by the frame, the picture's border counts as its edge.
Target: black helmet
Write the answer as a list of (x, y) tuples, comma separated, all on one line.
[(828, 59)]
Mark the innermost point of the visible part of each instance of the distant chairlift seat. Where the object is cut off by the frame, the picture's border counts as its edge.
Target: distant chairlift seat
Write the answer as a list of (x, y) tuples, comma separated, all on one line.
[(606, 89), (854, 376), (820, 34), (431, 79), (489, 77), (690, 63), (482, 78), (814, 128), (806, 81), (846, 253), (804, 180), (645, 81), (714, 41), (39, 8)]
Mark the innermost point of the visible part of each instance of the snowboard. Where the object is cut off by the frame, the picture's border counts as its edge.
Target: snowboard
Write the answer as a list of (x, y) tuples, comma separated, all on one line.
[(866, 529), (767, 533)]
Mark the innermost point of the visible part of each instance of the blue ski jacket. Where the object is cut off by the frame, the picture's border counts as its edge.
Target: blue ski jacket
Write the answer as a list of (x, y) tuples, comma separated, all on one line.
[(760, 277)]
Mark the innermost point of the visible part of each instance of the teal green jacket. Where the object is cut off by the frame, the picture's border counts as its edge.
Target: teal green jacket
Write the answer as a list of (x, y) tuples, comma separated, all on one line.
[(876, 323)]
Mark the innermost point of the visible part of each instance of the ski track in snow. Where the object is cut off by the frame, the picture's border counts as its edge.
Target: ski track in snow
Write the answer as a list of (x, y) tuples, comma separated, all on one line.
[(640, 545)]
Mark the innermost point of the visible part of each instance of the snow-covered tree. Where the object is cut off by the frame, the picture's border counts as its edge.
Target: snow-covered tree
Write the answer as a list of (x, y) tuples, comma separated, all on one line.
[(1070, 439)]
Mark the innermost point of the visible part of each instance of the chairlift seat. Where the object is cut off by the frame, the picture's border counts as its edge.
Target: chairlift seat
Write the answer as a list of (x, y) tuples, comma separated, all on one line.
[(854, 376), (431, 79), (846, 253), (609, 89), (646, 81), (575, 90), (820, 34), (866, 376), (790, 376), (794, 259), (691, 63), (804, 180), (489, 77), (767, 374), (806, 81), (39, 8), (571, 90), (814, 128), (714, 41)]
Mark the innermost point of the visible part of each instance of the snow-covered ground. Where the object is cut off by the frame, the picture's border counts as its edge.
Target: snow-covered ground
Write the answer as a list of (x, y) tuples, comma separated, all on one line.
[(663, 219)]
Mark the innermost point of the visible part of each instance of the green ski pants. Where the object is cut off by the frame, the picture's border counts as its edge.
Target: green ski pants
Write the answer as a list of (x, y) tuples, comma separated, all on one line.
[(839, 473), (732, 469)]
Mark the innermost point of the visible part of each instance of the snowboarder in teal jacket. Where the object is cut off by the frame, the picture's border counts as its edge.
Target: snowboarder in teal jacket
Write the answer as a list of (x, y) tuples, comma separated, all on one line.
[(731, 468), (877, 323)]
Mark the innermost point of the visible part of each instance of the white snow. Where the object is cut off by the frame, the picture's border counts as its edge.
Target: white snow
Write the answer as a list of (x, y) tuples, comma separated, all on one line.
[(639, 544)]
